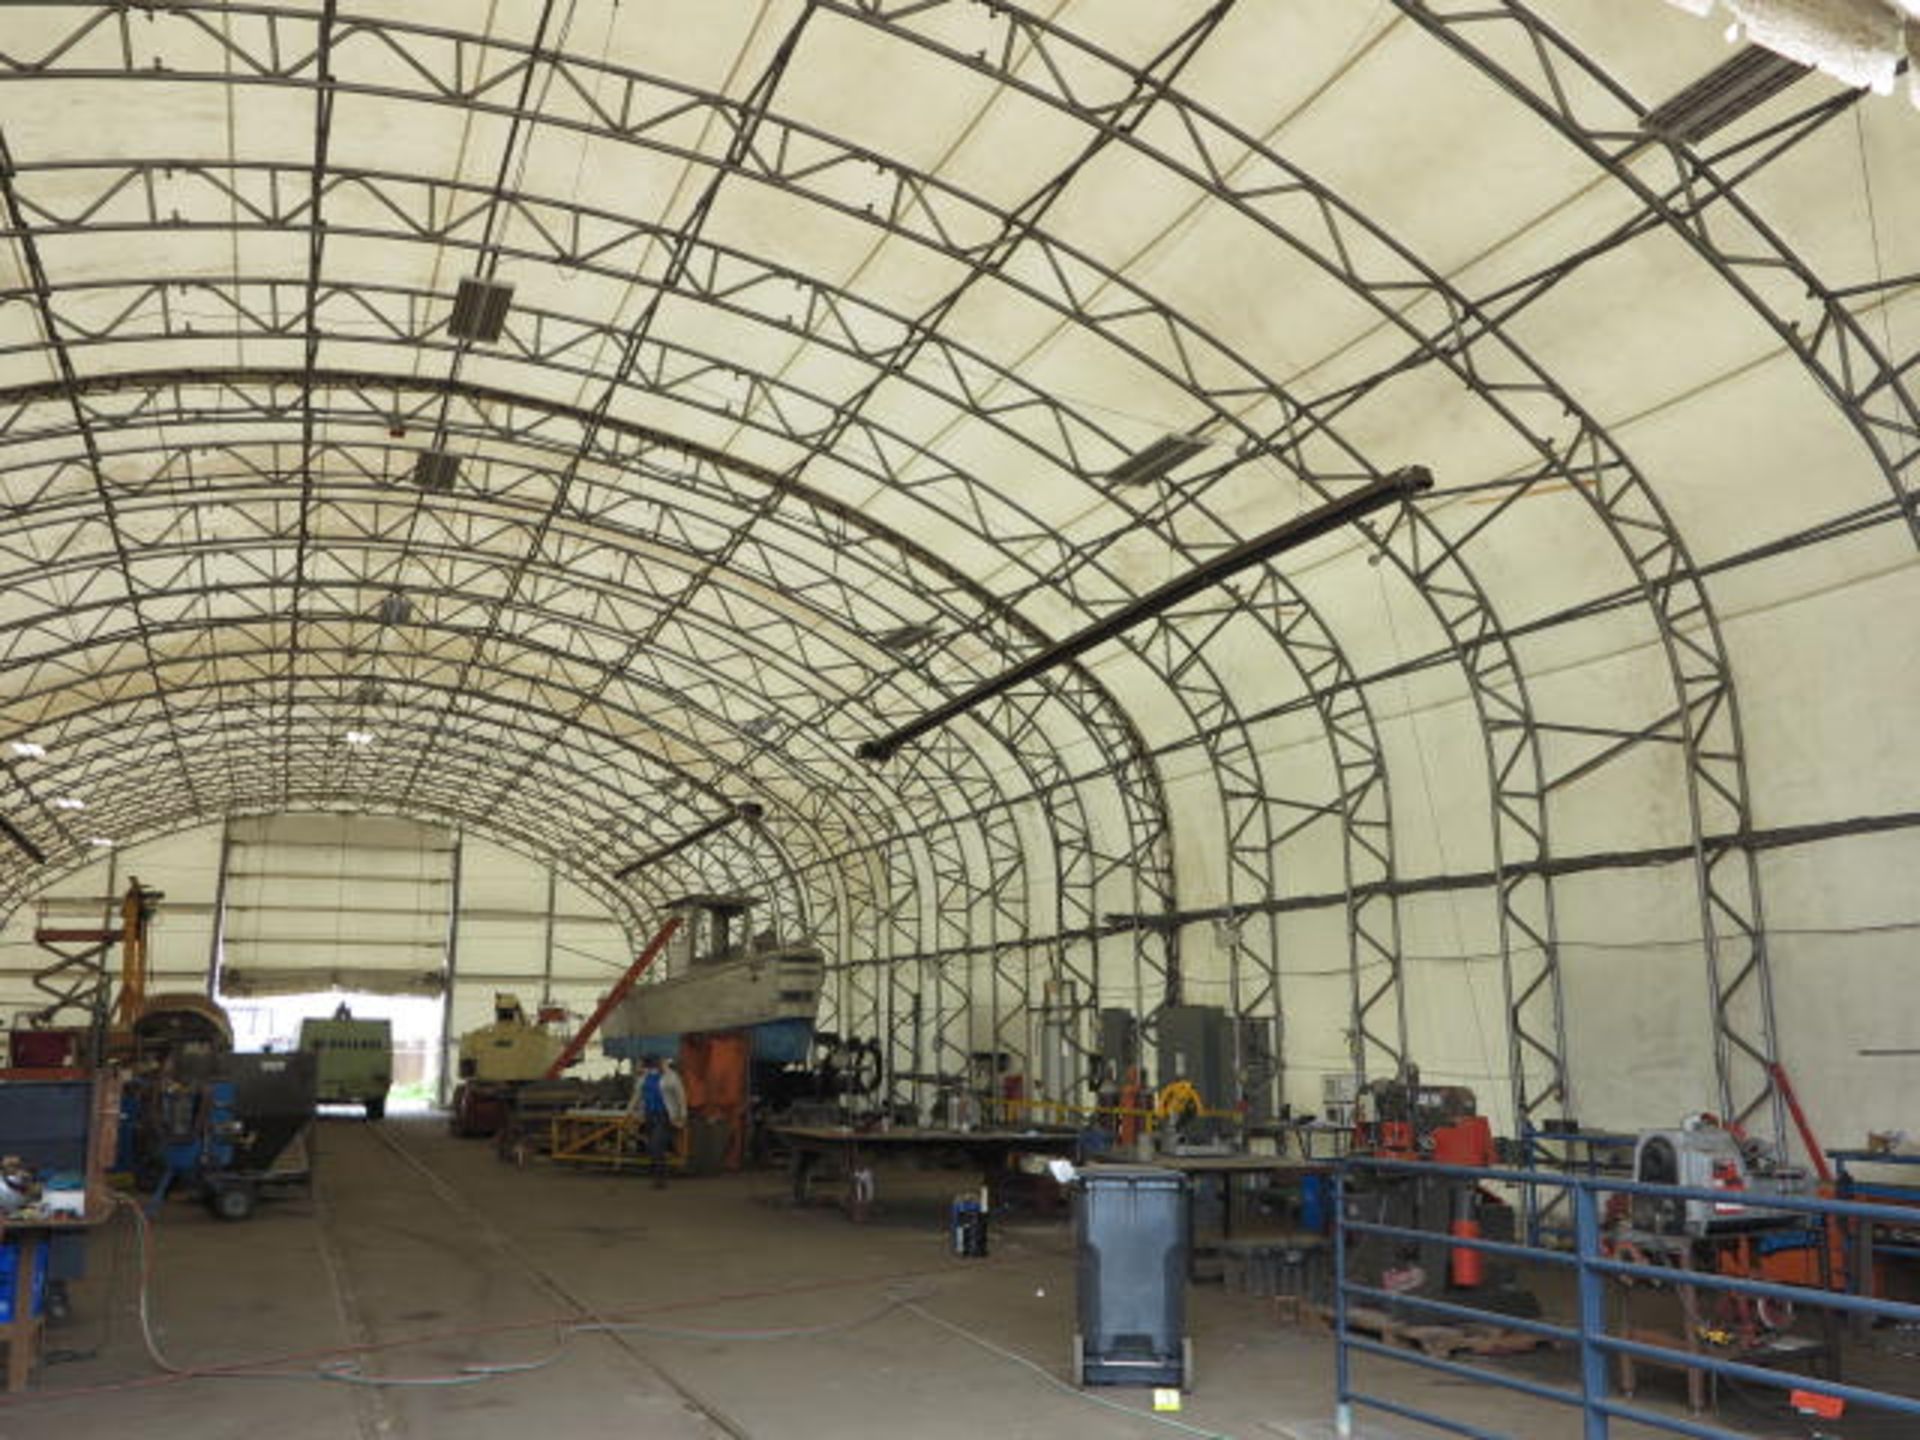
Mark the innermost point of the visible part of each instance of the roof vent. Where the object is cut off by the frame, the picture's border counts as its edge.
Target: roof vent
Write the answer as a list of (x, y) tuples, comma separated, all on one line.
[(480, 310), (393, 609), (436, 470), (1155, 462), (1735, 87)]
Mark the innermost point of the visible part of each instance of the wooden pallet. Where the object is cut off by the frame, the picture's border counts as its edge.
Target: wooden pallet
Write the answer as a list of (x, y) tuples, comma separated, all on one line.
[(1440, 1341)]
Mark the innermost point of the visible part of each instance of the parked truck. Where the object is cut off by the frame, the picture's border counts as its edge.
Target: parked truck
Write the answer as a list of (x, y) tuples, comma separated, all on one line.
[(355, 1059)]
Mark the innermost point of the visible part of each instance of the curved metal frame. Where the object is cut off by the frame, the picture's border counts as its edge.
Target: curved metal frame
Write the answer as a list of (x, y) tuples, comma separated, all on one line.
[(1299, 212), (1843, 360)]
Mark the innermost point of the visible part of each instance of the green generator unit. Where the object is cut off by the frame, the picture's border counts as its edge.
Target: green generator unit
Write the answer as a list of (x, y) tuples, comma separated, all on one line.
[(355, 1060)]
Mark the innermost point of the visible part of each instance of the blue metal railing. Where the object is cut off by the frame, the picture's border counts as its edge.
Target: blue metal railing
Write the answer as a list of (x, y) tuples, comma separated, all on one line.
[(1593, 1268), (1585, 1152)]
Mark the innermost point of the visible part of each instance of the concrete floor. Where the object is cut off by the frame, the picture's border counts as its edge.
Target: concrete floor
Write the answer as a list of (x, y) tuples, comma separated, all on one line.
[(422, 1239)]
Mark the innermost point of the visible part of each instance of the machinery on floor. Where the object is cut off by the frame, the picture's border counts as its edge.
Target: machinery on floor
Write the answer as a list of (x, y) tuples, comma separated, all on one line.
[(497, 1060), (77, 983), (1702, 1154), (839, 1082), (197, 1115), (519, 1108), (354, 1059), (723, 980), (1403, 1119)]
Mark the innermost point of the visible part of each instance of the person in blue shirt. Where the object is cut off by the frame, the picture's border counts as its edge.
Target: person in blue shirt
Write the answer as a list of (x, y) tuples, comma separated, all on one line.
[(661, 1101)]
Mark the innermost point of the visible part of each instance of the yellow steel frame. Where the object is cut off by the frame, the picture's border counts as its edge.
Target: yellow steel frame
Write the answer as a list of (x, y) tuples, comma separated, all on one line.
[(608, 1142)]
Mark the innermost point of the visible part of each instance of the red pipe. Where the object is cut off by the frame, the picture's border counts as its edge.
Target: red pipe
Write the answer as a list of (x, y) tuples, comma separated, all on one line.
[(1778, 1073)]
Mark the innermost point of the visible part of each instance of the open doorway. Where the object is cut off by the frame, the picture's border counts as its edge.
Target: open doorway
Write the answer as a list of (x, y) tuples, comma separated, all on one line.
[(273, 1023)]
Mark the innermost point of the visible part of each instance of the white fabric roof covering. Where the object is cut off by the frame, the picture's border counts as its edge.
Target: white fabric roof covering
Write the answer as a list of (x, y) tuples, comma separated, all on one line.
[(828, 320)]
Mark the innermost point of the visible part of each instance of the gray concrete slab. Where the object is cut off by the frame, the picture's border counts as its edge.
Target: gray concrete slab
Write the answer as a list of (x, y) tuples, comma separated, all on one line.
[(442, 1257)]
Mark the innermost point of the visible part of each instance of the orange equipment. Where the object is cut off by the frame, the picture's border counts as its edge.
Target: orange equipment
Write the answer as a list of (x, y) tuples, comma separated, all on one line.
[(716, 1070)]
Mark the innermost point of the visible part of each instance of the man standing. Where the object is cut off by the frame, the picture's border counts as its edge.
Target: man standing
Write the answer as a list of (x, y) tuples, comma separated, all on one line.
[(663, 1105)]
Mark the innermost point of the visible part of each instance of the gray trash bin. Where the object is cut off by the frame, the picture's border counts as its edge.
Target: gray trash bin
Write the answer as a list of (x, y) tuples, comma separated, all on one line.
[(1130, 1233)]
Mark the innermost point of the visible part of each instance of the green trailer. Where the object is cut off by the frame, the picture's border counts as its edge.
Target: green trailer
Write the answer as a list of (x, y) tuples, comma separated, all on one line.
[(355, 1060)]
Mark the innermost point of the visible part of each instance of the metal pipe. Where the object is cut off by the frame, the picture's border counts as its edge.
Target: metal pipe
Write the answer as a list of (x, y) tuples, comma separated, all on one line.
[(1598, 1408), (450, 1042), (21, 840), (217, 936), (1496, 1175), (553, 895), (1593, 1315), (745, 810), (1778, 837), (1402, 484)]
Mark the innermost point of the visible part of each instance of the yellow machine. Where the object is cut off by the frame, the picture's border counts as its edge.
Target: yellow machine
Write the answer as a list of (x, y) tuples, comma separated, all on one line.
[(495, 1061), (511, 1048), (1177, 1100)]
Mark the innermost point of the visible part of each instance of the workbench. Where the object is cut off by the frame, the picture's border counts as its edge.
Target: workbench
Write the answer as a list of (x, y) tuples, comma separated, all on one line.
[(22, 1334), (63, 1120), (1689, 1255), (1200, 1168), (856, 1150), (1869, 1240)]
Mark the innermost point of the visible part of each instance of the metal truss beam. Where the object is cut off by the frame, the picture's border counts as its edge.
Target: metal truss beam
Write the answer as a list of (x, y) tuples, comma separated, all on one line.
[(924, 210), (582, 808), (1558, 83), (202, 482), (1218, 159)]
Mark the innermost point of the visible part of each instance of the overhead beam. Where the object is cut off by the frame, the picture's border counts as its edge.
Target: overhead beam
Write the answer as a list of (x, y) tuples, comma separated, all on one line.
[(23, 841), (1778, 837), (1402, 484), (746, 810)]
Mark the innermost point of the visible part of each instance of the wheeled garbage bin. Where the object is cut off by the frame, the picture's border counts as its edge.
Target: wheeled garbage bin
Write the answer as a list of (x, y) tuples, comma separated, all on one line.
[(1130, 1233)]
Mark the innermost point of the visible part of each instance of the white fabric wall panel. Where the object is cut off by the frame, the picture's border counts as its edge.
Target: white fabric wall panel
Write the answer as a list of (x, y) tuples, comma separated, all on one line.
[(1316, 997), (1830, 680), (1844, 924), (1636, 986)]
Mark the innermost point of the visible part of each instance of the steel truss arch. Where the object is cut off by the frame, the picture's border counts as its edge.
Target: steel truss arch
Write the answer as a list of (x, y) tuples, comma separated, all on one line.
[(61, 662), (599, 815), (145, 414), (1840, 354), (805, 900), (1564, 86), (1149, 90), (1415, 564), (1297, 629), (1704, 722)]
